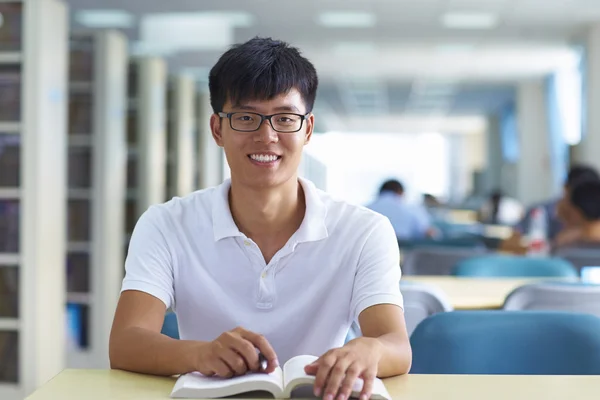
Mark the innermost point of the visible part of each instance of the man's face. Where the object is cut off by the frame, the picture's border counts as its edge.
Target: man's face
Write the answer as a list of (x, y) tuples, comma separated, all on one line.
[(265, 157)]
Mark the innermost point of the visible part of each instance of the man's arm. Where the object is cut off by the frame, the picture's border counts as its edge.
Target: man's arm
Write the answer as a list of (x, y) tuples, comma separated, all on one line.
[(384, 350), (386, 325), (136, 343)]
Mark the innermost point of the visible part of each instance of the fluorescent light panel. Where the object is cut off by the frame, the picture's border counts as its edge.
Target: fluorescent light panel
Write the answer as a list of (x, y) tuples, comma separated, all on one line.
[(347, 19), (469, 20), (105, 18)]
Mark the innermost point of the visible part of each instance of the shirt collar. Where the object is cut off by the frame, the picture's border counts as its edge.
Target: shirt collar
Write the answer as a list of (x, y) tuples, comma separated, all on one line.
[(312, 228)]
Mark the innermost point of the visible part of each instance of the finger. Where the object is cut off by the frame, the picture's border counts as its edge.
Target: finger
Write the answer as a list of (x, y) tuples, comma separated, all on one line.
[(236, 362), (336, 376), (221, 369), (352, 374), (247, 351), (325, 364), (263, 345), (311, 369), (369, 379)]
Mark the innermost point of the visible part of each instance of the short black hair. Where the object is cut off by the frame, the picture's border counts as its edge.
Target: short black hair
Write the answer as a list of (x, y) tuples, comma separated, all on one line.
[(391, 185), (585, 196), (261, 69), (580, 173)]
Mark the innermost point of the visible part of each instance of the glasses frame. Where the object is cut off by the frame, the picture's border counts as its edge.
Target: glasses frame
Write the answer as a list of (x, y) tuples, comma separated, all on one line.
[(262, 119)]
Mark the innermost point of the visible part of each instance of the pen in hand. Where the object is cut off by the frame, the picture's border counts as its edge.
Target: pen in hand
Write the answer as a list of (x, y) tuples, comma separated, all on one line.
[(262, 360)]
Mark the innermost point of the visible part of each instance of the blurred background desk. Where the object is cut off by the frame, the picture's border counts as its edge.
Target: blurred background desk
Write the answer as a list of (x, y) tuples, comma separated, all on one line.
[(474, 293)]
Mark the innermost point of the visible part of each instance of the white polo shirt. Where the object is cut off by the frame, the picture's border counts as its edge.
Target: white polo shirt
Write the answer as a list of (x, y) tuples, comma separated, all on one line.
[(190, 254)]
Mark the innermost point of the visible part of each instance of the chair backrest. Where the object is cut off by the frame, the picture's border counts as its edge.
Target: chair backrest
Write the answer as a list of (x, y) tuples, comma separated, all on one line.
[(514, 266), (499, 342), (422, 301), (580, 257), (470, 241), (170, 327), (436, 260), (556, 296)]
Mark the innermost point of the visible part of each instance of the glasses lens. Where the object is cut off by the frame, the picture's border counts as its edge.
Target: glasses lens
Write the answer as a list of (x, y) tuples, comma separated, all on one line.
[(245, 121), (286, 122)]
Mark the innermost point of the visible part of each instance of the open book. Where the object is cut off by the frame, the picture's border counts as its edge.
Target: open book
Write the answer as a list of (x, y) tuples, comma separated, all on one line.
[(280, 383)]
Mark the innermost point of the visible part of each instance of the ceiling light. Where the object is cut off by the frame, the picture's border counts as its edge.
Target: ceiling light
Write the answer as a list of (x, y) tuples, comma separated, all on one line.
[(105, 18), (188, 31), (347, 19), (469, 20)]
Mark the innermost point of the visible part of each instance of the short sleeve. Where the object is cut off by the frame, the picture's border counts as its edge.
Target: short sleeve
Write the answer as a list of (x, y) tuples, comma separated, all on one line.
[(377, 279), (149, 267)]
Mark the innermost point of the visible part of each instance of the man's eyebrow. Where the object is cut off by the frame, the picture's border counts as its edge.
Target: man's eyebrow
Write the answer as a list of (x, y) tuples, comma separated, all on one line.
[(288, 108)]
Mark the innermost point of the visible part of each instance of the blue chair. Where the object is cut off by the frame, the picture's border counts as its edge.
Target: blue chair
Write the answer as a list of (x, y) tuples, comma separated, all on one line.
[(514, 266), (170, 327), (500, 342)]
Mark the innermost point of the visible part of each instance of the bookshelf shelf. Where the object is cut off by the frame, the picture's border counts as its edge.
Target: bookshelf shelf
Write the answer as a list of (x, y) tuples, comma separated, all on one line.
[(9, 259), (96, 185), (33, 70), (10, 193), (10, 127), (10, 57), (146, 137), (9, 324)]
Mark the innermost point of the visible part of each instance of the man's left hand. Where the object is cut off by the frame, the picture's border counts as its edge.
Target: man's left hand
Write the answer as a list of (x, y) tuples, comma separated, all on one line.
[(337, 370)]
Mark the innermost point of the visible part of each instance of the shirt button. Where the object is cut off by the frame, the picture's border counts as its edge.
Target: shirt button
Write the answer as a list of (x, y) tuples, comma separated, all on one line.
[(247, 242), (263, 275)]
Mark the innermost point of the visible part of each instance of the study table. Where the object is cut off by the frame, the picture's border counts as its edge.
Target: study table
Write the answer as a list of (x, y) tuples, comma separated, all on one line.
[(467, 293), (119, 385)]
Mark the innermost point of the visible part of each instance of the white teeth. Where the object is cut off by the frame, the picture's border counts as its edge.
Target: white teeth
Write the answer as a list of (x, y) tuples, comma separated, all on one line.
[(263, 157)]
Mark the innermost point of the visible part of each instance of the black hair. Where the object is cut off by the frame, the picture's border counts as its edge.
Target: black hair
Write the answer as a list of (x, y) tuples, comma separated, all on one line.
[(391, 185), (261, 69), (581, 173), (585, 196)]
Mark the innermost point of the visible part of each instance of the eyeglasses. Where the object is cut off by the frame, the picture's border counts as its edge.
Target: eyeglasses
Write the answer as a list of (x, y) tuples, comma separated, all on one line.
[(251, 122)]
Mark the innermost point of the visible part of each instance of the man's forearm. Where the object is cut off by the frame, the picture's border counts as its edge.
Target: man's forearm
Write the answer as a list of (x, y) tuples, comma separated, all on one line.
[(140, 350), (396, 355)]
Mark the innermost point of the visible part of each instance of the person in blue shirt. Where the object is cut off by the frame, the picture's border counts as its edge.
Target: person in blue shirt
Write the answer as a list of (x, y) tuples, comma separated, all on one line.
[(409, 221)]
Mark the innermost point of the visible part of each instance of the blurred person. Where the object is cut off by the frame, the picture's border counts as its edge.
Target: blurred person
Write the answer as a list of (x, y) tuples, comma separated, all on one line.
[(500, 209), (560, 223), (583, 206), (264, 263), (409, 221)]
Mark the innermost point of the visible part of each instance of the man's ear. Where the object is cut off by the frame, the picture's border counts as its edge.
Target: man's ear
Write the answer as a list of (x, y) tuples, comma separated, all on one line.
[(310, 126), (215, 128)]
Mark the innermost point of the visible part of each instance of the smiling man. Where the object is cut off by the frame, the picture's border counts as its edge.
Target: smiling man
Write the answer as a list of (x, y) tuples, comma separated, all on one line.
[(264, 262)]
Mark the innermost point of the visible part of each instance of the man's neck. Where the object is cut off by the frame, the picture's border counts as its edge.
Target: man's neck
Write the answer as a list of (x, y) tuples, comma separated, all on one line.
[(267, 213)]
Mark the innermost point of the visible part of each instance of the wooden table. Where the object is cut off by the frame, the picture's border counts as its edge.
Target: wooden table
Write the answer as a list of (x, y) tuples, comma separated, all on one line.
[(474, 293), (118, 385)]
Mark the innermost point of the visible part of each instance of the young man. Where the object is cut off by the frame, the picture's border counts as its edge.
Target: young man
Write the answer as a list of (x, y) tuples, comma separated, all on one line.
[(265, 262)]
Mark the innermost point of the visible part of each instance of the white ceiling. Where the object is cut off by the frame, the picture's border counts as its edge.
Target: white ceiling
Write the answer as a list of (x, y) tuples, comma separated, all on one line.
[(408, 43)]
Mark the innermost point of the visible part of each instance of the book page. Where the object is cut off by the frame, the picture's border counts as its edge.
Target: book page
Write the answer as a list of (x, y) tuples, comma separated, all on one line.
[(196, 385), (294, 375)]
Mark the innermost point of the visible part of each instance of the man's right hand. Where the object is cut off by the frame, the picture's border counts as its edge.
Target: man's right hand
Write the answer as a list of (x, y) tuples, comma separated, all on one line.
[(234, 353)]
